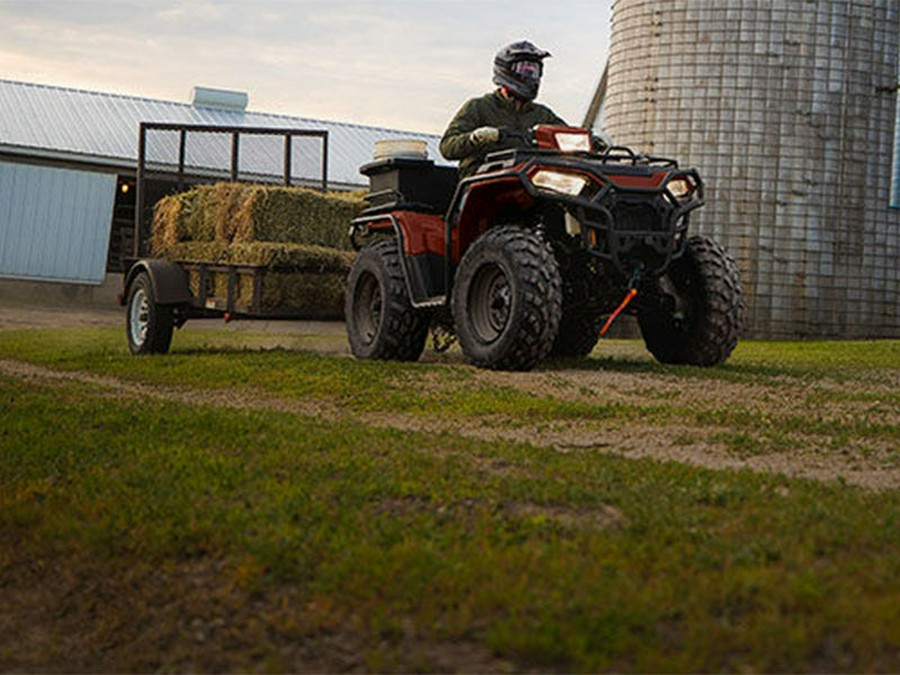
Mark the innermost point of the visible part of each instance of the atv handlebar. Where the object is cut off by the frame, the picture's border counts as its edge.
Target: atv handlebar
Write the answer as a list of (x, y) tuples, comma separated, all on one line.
[(607, 153)]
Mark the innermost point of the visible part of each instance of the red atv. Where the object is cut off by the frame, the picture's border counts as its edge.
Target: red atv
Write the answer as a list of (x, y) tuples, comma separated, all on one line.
[(536, 254)]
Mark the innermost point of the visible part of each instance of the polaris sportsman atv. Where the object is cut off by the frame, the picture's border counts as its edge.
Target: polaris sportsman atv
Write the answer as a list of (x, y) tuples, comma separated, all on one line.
[(536, 254)]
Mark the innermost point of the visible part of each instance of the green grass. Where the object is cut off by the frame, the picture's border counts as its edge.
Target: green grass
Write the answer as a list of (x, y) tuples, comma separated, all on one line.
[(698, 570), (404, 543), (864, 373)]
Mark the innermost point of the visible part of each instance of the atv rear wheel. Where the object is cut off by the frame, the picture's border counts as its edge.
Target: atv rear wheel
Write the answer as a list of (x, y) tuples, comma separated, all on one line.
[(507, 299), (381, 321), (704, 327)]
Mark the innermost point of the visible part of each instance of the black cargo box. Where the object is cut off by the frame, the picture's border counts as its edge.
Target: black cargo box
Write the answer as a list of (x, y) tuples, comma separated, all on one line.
[(402, 182)]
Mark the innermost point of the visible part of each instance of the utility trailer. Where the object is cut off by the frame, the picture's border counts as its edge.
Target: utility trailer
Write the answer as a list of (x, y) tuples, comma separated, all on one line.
[(161, 294)]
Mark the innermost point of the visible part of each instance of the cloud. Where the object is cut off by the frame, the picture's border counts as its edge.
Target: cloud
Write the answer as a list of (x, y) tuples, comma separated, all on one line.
[(395, 63)]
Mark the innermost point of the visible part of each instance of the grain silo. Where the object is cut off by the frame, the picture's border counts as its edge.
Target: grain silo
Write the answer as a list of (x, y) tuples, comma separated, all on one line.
[(788, 110)]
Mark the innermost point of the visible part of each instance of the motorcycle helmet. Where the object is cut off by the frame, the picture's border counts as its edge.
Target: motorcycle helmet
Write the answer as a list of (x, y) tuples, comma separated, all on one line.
[(518, 67)]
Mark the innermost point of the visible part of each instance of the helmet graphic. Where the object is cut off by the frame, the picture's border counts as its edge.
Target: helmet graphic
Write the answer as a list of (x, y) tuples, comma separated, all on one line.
[(518, 67)]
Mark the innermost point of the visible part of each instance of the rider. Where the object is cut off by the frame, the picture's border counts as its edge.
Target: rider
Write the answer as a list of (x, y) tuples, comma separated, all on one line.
[(475, 130)]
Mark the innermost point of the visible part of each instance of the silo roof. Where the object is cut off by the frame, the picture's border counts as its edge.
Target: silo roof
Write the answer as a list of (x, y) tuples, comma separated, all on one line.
[(95, 127)]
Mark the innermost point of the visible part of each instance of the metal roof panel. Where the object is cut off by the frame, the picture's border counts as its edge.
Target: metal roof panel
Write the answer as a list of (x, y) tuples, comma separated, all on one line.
[(89, 124)]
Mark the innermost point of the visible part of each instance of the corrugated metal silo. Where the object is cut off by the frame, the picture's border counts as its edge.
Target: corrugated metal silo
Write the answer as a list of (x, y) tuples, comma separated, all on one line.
[(788, 110)]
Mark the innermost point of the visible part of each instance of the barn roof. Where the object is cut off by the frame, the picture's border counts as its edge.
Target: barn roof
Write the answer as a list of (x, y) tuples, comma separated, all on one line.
[(102, 128)]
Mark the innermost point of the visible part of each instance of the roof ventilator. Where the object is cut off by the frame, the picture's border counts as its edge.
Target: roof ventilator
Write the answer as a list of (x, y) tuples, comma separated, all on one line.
[(221, 99)]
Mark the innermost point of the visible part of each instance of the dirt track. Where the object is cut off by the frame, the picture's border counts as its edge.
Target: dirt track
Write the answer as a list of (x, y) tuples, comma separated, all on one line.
[(872, 466)]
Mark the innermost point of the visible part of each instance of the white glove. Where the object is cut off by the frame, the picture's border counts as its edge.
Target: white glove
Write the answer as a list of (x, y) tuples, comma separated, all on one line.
[(484, 135)]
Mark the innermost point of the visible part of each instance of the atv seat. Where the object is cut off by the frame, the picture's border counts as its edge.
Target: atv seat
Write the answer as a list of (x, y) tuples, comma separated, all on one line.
[(409, 184)]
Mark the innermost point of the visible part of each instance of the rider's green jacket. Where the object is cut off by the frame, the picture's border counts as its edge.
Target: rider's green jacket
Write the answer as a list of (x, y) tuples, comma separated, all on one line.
[(490, 110)]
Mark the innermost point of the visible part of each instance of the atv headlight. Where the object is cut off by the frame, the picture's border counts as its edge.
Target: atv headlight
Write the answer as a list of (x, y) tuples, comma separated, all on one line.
[(681, 187), (567, 183), (573, 142)]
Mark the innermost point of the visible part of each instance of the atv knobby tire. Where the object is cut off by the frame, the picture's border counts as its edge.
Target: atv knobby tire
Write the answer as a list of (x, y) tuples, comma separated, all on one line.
[(148, 325), (381, 321), (704, 330), (507, 299)]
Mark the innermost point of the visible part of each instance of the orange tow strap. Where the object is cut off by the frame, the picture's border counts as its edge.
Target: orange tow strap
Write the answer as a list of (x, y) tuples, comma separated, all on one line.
[(612, 317)]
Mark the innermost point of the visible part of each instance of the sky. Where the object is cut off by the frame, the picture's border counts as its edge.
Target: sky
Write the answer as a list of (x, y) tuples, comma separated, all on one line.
[(399, 64)]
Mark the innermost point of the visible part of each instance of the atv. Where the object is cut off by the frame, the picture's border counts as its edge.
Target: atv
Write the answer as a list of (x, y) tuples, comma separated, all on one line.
[(536, 254)]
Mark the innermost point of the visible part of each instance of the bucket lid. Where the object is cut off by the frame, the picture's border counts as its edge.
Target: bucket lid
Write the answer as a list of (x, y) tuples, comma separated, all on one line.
[(411, 149)]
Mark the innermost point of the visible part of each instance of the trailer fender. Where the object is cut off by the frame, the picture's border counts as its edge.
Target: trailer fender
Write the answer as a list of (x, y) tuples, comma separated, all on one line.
[(169, 281)]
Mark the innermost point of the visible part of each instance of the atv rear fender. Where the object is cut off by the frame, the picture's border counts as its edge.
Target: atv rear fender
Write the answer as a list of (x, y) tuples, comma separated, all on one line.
[(422, 242)]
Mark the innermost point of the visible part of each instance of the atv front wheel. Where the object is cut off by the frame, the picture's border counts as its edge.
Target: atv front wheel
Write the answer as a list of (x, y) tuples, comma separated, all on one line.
[(507, 299), (381, 321), (704, 323)]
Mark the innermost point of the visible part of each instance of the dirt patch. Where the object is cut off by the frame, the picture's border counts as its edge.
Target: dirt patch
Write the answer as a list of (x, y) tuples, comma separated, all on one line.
[(82, 614), (673, 442)]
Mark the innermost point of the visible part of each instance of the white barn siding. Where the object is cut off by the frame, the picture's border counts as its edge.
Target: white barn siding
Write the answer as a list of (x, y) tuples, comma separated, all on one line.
[(54, 223)]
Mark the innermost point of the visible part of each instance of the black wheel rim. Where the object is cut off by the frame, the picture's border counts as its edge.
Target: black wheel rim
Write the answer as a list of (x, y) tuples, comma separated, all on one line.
[(490, 303), (367, 307)]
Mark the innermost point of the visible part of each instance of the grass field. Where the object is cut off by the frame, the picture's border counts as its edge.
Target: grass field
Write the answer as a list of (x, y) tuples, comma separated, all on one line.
[(229, 507)]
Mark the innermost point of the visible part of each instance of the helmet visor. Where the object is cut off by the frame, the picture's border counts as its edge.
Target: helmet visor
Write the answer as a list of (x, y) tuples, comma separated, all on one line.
[(528, 70)]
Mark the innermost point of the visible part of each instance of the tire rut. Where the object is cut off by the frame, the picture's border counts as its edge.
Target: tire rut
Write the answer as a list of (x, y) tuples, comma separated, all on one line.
[(637, 441)]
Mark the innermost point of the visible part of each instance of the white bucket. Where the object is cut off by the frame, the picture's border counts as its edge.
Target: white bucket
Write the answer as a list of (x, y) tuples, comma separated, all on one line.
[(408, 149)]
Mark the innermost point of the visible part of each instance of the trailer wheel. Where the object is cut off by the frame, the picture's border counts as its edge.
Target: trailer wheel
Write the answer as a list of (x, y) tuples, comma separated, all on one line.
[(148, 324), (381, 321), (507, 299), (704, 328)]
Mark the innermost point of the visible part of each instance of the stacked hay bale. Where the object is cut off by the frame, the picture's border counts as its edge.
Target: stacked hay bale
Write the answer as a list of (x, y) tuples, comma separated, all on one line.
[(298, 236)]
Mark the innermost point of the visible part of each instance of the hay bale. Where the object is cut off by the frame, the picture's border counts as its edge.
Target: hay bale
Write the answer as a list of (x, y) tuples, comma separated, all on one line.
[(311, 293), (245, 213), (275, 228), (198, 252), (297, 215), (225, 201), (164, 232), (303, 256), (198, 213), (264, 254), (183, 217)]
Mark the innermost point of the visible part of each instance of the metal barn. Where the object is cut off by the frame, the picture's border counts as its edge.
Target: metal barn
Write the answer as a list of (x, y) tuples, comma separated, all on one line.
[(68, 159)]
